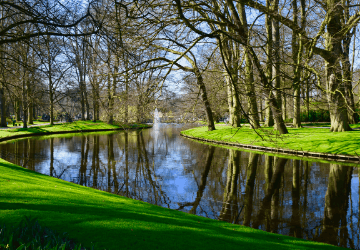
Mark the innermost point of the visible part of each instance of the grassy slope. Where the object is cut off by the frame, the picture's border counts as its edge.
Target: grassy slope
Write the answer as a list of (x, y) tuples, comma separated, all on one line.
[(115, 222), (306, 139), (71, 127)]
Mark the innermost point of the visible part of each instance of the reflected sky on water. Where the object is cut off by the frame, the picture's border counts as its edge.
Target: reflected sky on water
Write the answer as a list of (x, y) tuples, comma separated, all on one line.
[(310, 200)]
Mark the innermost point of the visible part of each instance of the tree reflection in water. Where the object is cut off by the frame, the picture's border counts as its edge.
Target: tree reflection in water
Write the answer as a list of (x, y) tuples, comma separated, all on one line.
[(311, 200)]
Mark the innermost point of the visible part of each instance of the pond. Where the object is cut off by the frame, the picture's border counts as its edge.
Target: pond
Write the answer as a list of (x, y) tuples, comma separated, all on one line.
[(305, 199)]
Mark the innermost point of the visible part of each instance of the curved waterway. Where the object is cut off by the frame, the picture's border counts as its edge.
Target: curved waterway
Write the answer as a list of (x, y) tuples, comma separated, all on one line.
[(310, 200)]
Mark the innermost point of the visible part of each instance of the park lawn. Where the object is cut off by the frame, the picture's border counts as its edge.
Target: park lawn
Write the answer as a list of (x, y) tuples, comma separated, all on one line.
[(319, 140), (115, 222), (20, 123), (77, 126)]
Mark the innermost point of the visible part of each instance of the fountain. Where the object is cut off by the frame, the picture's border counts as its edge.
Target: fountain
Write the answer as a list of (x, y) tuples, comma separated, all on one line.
[(156, 116)]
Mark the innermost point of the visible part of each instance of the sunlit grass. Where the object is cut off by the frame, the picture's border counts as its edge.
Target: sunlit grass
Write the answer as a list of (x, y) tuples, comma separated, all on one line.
[(77, 126), (20, 123), (304, 139), (115, 222)]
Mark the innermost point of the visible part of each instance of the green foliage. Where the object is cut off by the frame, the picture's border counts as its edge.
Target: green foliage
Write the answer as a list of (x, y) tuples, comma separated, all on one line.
[(319, 115), (30, 235)]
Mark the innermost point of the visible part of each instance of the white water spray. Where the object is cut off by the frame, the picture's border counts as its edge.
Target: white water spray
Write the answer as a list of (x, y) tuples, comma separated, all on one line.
[(156, 116)]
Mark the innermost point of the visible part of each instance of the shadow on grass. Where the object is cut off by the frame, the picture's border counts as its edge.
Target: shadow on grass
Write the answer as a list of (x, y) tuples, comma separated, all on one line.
[(34, 130)]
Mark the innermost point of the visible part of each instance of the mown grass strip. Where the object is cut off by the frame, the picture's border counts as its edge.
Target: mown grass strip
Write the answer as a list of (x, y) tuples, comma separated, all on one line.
[(317, 140), (78, 126), (114, 222)]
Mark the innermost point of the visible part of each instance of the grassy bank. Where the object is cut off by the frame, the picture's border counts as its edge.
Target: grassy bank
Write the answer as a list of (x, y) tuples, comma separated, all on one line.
[(77, 126), (115, 222), (303, 139)]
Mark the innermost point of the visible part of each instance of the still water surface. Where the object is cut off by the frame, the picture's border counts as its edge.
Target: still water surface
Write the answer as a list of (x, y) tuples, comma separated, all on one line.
[(310, 200)]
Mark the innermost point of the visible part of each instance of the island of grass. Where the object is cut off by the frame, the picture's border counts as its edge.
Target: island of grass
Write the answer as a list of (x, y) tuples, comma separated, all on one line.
[(318, 140), (110, 221), (72, 127)]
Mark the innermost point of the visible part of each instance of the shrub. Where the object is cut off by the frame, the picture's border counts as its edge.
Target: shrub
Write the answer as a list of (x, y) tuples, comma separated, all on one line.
[(30, 235), (319, 115)]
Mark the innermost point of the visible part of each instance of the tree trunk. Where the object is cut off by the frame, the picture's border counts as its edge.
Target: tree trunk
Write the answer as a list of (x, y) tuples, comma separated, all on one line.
[(234, 114), (30, 113), (3, 108), (24, 102), (347, 79), (95, 102), (30, 103), (297, 50), (17, 109), (335, 88), (82, 98), (51, 107), (269, 119), (284, 104), (209, 115), (86, 103), (256, 62), (253, 113), (337, 105), (276, 64), (110, 102)]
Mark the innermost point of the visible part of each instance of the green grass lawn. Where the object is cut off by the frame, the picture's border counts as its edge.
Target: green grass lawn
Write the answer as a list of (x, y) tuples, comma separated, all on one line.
[(65, 127), (115, 222), (303, 139), (20, 123)]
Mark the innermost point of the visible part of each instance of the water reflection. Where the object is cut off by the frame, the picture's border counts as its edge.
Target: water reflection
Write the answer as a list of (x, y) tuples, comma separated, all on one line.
[(303, 199)]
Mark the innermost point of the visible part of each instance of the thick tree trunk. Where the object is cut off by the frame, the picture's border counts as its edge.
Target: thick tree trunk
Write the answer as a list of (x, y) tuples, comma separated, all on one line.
[(30, 103), (86, 103), (297, 57), (280, 125), (347, 79), (82, 99), (95, 102), (30, 113), (253, 113), (284, 104), (17, 109), (208, 111), (3, 108), (276, 65), (24, 102), (256, 62), (51, 108), (336, 101), (334, 84), (296, 118), (234, 113), (269, 119), (110, 103)]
